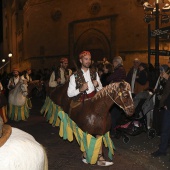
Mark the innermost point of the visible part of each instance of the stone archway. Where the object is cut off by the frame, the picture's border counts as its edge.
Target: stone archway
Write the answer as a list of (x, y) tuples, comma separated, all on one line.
[(94, 41)]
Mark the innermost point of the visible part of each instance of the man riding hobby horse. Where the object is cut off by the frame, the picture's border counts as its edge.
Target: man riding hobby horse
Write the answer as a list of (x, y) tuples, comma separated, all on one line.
[(83, 85)]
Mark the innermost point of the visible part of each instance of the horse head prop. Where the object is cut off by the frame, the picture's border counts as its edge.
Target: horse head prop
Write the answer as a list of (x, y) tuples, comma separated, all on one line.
[(123, 97), (17, 96), (93, 115)]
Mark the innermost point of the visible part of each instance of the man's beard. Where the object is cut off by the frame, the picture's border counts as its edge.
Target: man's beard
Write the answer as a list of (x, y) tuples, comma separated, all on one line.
[(86, 66), (15, 75)]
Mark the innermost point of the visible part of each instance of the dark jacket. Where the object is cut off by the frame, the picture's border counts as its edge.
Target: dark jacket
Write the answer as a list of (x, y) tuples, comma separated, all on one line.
[(130, 74), (118, 75), (103, 79), (165, 99), (142, 77)]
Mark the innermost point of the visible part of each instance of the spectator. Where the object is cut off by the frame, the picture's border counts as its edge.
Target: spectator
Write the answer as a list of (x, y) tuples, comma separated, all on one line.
[(117, 75), (141, 82), (159, 88), (165, 131), (133, 72), (107, 71), (119, 72)]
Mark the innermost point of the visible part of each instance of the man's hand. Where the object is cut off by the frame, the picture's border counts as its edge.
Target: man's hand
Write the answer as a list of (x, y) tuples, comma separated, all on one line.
[(84, 87), (165, 75), (95, 83), (165, 107)]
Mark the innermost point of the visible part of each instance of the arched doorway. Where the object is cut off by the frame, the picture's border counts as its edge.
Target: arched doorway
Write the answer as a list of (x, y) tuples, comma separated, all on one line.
[(94, 41)]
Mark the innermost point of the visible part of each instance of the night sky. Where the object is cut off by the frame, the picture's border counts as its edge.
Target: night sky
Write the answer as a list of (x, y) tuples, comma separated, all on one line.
[(1, 36)]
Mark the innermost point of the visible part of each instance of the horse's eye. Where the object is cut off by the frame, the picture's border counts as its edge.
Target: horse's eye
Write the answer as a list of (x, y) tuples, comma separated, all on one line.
[(125, 96)]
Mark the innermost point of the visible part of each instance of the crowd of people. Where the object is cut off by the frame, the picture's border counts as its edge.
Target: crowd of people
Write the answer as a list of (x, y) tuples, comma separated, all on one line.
[(90, 78)]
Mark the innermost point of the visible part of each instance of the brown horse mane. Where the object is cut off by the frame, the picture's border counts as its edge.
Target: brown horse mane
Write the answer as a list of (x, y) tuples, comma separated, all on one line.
[(109, 89), (105, 91)]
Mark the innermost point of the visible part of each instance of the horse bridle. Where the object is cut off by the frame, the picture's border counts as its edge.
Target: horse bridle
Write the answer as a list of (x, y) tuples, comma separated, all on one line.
[(120, 96)]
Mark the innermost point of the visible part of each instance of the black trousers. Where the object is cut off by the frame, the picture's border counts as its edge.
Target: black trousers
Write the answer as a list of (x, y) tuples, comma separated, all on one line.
[(165, 131), (157, 120), (116, 113)]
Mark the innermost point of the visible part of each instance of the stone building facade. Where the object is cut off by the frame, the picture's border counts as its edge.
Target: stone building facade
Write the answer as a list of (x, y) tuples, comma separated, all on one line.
[(40, 32)]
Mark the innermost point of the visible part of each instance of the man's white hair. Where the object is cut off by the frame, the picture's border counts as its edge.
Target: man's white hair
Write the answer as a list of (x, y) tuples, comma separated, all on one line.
[(118, 59)]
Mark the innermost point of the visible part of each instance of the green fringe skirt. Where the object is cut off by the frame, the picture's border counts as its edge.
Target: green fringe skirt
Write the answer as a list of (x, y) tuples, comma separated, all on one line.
[(88, 143), (18, 113)]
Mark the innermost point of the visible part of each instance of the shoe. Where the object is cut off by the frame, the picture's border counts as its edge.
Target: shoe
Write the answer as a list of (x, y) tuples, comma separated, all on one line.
[(84, 160), (103, 162), (166, 8), (148, 7), (158, 154)]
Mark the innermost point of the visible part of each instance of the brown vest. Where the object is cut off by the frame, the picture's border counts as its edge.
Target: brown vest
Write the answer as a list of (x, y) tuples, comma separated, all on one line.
[(79, 78)]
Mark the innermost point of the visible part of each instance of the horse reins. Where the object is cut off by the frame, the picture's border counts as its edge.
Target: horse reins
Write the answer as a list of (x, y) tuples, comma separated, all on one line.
[(114, 100)]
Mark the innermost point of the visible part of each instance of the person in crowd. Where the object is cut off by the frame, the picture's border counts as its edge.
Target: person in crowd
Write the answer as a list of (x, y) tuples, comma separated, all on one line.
[(158, 90), (152, 76), (119, 72), (61, 74), (14, 79), (133, 72), (161, 82), (107, 71), (141, 82), (105, 61), (165, 130), (118, 75), (27, 75), (83, 84)]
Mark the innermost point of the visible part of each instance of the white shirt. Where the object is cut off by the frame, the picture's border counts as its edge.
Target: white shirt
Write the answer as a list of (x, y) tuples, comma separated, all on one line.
[(72, 91), (53, 82), (13, 81), (28, 78), (133, 80)]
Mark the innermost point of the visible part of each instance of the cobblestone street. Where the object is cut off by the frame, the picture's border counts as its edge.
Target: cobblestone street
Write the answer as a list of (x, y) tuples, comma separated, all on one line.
[(63, 155)]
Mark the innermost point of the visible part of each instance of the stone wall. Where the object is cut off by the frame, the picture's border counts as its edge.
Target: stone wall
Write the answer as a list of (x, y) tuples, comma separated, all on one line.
[(52, 29)]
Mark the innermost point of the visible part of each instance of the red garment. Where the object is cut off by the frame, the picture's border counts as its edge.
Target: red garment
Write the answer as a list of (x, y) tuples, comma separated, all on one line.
[(87, 96)]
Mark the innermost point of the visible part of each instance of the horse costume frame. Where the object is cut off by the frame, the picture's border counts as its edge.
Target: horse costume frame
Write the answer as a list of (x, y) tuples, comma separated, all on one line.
[(18, 108), (19, 150), (88, 118), (19, 99)]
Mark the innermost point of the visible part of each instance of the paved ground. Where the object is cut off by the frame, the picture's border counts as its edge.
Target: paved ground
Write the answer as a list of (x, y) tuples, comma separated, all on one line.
[(63, 155)]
